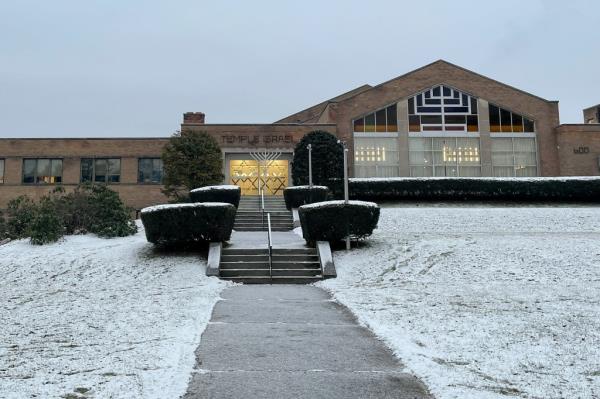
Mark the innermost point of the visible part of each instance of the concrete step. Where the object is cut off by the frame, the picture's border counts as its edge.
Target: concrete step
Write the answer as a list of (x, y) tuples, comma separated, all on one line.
[(247, 219), (261, 229), (293, 258), (233, 273), (241, 225), (276, 251), (262, 265), (259, 216), (274, 280)]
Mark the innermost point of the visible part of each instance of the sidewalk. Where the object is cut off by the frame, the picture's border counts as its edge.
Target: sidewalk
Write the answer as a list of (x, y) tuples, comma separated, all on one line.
[(292, 341)]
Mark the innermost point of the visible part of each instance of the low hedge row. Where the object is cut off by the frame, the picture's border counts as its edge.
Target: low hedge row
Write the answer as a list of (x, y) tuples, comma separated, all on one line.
[(335, 220), (576, 189), (180, 224), (296, 196), (225, 193)]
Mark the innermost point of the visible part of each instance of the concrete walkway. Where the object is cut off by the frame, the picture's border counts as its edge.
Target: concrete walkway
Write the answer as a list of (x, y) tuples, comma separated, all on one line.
[(292, 341)]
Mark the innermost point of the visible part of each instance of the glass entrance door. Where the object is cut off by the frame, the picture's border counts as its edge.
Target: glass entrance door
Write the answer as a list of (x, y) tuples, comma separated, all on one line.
[(250, 174)]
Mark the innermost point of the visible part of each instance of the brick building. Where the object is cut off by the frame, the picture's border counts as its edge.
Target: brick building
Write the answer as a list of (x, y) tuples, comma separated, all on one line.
[(439, 120)]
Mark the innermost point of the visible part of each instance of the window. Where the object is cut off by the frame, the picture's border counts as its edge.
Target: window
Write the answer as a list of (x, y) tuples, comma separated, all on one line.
[(376, 157), (505, 121), (444, 156), (1, 171), (42, 171), (442, 109), (514, 157), (101, 170), (150, 170), (381, 121)]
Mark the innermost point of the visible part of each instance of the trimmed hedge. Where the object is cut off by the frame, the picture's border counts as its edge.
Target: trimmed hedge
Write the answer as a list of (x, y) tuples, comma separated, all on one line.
[(296, 196), (225, 193), (177, 224), (335, 220), (576, 189)]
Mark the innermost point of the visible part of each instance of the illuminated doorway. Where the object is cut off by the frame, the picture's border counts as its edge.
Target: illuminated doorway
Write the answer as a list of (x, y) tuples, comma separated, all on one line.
[(273, 176)]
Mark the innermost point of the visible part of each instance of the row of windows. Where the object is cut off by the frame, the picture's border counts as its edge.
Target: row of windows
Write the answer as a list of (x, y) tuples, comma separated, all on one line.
[(383, 120), (97, 170), (444, 109), (445, 156), (503, 120)]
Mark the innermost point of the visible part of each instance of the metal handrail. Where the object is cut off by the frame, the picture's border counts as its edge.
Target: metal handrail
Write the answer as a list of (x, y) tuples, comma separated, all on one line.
[(262, 207), (270, 243)]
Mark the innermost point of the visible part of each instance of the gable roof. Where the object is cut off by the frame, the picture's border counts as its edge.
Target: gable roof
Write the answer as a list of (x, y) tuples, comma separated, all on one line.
[(313, 113)]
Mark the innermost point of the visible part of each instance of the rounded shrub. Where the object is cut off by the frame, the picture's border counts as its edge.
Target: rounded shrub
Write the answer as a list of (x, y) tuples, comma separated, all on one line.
[(225, 193), (296, 196), (327, 159), (335, 220), (181, 224)]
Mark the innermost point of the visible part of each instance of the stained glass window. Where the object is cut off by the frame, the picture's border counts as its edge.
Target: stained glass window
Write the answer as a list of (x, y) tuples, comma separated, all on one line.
[(505, 121), (442, 109), (381, 121)]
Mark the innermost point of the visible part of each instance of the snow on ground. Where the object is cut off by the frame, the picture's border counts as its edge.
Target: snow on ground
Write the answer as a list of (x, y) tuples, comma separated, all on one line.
[(483, 302), (111, 316)]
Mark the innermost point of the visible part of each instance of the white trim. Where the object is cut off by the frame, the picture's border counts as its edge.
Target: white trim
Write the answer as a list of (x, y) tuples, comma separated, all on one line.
[(507, 135), (372, 135), (442, 134)]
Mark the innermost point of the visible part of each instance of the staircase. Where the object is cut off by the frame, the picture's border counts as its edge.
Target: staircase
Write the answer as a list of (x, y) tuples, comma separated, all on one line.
[(251, 266), (250, 218)]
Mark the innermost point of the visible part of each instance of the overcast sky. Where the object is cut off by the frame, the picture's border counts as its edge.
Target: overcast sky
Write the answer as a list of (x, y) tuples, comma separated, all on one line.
[(131, 67)]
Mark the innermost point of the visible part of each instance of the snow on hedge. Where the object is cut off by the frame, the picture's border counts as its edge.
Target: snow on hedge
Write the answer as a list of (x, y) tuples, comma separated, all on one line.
[(485, 302), (325, 204), (184, 205), (498, 179), (108, 315), (211, 188), (307, 187)]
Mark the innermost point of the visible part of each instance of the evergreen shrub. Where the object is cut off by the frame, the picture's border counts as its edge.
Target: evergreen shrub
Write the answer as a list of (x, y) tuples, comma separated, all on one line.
[(89, 208), (335, 220), (182, 224), (540, 189), (224, 193), (327, 159), (296, 196)]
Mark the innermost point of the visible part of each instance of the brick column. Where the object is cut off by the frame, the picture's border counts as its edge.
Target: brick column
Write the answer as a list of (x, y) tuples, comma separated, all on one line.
[(485, 142), (402, 111)]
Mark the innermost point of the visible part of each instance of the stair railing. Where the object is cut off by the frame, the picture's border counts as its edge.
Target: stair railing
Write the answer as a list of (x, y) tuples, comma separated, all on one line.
[(262, 207), (270, 243)]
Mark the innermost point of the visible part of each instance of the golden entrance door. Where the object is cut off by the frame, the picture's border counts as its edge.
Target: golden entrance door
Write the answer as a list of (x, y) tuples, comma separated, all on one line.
[(273, 176)]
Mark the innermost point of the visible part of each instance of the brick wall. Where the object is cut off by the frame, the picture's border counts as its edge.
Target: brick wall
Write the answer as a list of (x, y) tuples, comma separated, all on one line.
[(543, 112), (579, 149)]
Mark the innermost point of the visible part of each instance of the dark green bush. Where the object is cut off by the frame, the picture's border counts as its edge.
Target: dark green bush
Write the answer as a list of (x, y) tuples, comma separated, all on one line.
[(3, 227), (327, 159), (109, 217), (540, 189), (20, 214), (335, 220), (190, 159), (89, 208), (296, 196), (225, 193), (181, 224), (46, 226)]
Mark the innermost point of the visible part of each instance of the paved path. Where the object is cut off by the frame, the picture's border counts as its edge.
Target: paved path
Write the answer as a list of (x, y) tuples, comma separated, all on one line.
[(258, 239), (292, 341)]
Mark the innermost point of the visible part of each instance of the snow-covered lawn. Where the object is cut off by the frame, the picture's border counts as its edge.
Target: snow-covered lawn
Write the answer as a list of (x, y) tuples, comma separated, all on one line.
[(109, 316), (483, 302)]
